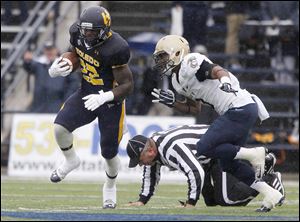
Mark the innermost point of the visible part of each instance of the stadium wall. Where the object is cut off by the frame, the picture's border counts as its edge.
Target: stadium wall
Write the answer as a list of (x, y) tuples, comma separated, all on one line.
[(34, 152)]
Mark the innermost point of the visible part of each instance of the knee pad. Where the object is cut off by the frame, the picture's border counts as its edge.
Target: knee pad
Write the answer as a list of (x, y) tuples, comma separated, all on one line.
[(63, 137), (112, 166)]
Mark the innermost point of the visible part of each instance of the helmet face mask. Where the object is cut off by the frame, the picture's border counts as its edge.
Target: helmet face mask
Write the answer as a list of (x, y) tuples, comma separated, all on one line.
[(92, 37), (163, 64), (94, 25)]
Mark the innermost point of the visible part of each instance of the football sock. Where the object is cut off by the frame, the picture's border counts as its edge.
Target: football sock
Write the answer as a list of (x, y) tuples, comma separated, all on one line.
[(65, 141), (111, 169), (71, 162), (245, 154)]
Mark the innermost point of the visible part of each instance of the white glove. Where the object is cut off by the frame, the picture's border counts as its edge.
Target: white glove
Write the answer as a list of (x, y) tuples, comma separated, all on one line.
[(57, 68), (93, 101)]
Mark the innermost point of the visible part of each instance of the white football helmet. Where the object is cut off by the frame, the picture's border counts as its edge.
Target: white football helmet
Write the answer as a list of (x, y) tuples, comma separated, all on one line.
[(169, 53)]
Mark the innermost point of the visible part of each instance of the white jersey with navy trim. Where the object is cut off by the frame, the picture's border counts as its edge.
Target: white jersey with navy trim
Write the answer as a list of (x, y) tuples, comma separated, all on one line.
[(207, 91), (177, 149)]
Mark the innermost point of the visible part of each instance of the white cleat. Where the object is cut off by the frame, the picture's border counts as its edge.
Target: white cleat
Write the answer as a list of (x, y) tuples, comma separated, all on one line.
[(258, 162), (271, 201), (109, 197)]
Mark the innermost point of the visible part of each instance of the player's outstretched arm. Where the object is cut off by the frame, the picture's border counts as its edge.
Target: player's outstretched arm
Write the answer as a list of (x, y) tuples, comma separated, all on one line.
[(168, 98)]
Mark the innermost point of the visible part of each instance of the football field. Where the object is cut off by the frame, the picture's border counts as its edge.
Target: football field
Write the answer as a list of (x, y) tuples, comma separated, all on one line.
[(72, 200)]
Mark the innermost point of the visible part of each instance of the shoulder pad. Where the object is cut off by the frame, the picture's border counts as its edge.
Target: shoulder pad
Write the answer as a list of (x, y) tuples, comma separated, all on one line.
[(190, 64)]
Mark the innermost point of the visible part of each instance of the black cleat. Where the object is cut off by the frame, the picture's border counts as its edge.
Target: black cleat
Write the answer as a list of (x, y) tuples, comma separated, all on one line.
[(270, 162), (263, 209)]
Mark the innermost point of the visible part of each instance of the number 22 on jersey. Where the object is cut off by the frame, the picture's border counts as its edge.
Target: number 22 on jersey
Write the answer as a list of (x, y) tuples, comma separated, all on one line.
[(90, 73)]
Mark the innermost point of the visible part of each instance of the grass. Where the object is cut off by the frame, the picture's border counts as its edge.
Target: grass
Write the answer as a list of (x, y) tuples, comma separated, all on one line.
[(69, 200)]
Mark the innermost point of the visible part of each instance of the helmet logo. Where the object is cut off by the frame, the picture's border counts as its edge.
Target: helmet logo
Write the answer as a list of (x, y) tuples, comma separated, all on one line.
[(106, 18)]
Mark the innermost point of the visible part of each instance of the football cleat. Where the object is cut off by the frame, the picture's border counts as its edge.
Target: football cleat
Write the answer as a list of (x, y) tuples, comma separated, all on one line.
[(109, 204), (275, 181), (264, 209), (56, 176), (109, 197), (60, 173), (273, 197), (270, 162)]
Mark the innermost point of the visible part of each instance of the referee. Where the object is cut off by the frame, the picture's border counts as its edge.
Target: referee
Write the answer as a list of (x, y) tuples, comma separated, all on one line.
[(176, 149)]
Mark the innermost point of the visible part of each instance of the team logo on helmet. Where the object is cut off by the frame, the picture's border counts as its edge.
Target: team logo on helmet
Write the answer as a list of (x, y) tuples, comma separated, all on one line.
[(106, 18)]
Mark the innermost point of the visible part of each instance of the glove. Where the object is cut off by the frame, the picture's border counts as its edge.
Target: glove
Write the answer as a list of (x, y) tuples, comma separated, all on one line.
[(60, 67), (226, 85), (164, 97), (93, 101)]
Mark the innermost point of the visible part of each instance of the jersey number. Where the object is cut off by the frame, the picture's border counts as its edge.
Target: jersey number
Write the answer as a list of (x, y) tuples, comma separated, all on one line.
[(90, 74)]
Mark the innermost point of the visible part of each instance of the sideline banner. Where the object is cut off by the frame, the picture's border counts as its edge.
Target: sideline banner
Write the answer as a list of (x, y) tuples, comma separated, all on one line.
[(34, 152)]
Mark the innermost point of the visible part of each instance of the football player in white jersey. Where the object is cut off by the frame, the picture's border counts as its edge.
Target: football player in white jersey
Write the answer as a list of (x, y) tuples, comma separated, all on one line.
[(198, 79)]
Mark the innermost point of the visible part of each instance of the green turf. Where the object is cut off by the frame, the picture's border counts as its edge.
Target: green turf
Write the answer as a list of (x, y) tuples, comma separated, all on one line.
[(68, 196)]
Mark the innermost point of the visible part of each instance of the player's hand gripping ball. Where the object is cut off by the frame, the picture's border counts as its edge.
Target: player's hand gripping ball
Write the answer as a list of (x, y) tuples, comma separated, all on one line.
[(64, 65)]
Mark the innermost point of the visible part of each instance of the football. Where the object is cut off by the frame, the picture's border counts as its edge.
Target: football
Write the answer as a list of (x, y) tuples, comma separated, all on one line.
[(73, 57)]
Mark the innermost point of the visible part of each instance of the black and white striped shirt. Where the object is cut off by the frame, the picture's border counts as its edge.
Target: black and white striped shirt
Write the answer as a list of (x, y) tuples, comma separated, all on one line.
[(176, 149)]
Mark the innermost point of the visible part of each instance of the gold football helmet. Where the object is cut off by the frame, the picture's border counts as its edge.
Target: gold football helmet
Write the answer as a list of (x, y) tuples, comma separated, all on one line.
[(169, 52)]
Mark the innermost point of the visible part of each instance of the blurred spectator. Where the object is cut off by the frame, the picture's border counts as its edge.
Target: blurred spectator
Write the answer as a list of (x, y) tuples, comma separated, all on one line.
[(176, 19), (87, 4), (283, 47), (194, 18), (49, 93), (8, 17), (150, 81), (236, 14)]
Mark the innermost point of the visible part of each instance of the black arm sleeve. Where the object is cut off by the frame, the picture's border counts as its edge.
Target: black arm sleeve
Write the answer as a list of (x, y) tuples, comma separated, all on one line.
[(204, 72)]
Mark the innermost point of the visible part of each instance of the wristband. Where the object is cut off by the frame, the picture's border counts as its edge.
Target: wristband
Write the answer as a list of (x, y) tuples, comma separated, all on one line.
[(225, 79)]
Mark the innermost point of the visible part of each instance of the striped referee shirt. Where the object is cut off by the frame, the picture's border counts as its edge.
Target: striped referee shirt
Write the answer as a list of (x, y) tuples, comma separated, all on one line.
[(176, 150)]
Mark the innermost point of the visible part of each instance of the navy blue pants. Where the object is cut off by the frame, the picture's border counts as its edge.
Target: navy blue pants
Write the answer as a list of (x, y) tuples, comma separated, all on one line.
[(110, 116), (224, 138)]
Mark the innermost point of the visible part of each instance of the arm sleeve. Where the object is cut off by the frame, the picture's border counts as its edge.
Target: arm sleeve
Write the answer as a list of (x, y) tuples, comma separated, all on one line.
[(151, 177), (204, 72)]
